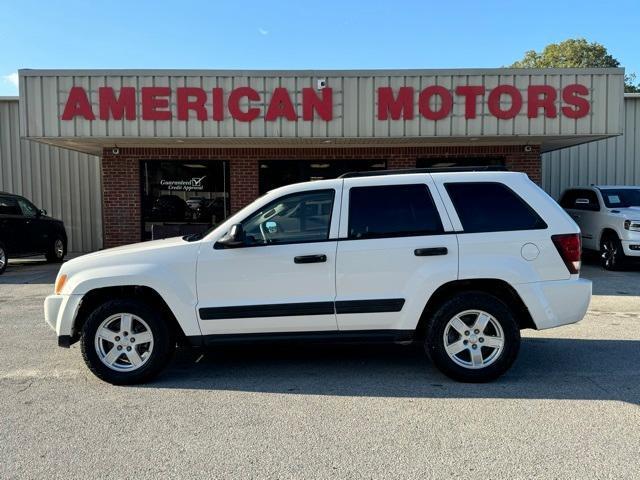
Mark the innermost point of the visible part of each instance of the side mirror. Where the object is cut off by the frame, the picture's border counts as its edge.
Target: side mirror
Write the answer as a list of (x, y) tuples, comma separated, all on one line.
[(42, 212), (233, 239)]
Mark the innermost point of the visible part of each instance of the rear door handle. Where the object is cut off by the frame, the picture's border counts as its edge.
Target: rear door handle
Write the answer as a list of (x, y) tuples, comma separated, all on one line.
[(310, 258), (430, 252)]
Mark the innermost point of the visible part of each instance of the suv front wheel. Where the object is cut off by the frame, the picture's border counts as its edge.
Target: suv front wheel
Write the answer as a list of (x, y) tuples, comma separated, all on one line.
[(126, 341), (473, 337)]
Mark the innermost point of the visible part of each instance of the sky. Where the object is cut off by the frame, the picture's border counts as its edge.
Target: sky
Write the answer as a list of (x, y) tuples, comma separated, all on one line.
[(301, 34)]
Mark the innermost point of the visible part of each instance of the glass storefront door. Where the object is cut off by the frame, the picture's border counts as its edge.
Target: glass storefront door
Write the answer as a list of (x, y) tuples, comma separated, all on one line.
[(182, 197), (277, 173)]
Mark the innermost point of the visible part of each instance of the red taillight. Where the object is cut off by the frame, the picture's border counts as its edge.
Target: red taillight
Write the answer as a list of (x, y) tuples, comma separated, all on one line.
[(569, 247)]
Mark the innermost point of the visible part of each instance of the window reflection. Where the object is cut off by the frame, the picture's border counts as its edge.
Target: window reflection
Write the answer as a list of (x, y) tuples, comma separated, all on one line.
[(183, 197)]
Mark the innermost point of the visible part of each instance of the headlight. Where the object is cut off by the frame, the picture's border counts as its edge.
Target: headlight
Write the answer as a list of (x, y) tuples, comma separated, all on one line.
[(632, 225), (60, 283)]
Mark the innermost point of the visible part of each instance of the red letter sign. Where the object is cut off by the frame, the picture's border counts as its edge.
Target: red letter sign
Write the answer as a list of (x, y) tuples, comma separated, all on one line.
[(494, 101), (547, 102), (116, 108), (218, 104), (311, 103), (78, 104), (425, 97), (280, 106), (579, 106), (234, 104), (197, 104), (395, 107), (151, 103), (469, 92)]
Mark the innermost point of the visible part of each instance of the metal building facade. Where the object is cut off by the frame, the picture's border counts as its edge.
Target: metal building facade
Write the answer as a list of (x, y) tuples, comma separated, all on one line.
[(613, 161), (63, 182), (44, 94)]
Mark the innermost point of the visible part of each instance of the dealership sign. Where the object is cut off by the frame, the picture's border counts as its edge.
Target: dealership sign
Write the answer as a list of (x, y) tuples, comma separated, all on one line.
[(434, 102)]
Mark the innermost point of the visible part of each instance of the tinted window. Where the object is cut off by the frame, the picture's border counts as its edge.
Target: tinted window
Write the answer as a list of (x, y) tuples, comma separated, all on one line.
[(580, 200), (301, 217), (491, 207), (621, 197), (392, 211), (28, 210), (9, 206)]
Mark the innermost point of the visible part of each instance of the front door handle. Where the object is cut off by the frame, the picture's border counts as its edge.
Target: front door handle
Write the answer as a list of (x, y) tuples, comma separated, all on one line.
[(430, 252), (310, 258)]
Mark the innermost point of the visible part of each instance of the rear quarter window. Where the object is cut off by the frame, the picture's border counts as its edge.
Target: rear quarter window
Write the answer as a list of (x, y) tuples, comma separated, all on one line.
[(492, 207)]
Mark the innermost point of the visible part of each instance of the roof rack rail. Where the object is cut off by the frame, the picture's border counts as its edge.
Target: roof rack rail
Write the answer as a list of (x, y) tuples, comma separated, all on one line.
[(376, 173)]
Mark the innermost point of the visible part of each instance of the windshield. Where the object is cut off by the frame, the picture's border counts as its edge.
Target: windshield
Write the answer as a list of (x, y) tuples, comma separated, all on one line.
[(621, 197)]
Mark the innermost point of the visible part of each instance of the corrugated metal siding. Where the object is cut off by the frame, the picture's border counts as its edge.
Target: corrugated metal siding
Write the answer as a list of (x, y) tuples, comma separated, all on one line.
[(614, 161), (63, 182), (44, 94)]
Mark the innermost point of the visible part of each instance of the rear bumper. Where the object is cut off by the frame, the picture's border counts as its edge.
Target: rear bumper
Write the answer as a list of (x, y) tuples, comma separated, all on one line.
[(556, 303)]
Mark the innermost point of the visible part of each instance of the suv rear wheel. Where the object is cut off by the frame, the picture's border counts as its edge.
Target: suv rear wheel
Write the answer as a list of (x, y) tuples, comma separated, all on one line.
[(611, 252), (126, 341), (473, 337)]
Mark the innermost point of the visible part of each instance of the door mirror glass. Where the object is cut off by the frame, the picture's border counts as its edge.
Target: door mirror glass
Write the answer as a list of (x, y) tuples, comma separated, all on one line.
[(271, 227), (233, 239)]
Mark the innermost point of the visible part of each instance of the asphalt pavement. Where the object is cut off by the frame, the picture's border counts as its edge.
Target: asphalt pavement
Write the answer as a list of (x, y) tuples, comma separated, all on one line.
[(569, 407)]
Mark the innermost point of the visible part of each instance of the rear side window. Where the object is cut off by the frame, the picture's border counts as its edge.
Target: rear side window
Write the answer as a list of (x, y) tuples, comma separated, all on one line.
[(492, 207), (580, 200), (392, 211), (9, 206)]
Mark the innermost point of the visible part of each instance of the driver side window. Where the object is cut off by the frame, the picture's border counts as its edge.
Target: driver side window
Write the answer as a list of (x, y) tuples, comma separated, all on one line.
[(28, 210), (295, 218)]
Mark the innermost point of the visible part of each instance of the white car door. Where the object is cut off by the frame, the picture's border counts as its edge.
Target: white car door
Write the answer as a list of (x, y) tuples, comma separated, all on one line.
[(396, 247), (283, 279), (583, 207)]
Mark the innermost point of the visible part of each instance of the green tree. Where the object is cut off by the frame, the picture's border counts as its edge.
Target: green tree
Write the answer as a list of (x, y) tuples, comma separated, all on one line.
[(575, 53)]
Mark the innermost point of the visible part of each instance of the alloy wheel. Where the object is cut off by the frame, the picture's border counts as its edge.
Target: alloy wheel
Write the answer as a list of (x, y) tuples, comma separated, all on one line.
[(473, 339), (58, 248), (609, 253), (124, 342), (3, 258)]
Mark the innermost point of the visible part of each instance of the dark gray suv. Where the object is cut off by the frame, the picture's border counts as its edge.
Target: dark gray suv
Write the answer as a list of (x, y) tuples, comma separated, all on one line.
[(25, 231)]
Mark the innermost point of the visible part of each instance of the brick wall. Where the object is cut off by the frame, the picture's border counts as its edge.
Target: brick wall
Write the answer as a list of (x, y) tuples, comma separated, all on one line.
[(121, 173)]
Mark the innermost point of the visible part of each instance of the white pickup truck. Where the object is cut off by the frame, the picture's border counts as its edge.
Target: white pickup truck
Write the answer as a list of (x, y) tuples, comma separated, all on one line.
[(609, 219)]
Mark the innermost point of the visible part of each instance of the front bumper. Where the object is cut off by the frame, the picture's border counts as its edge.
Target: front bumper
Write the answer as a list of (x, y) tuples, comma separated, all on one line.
[(631, 247), (555, 303), (60, 313)]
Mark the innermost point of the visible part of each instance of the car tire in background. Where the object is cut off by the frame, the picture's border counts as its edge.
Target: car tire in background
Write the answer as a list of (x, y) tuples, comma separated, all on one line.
[(126, 341), (4, 258), (473, 337), (56, 251), (611, 252)]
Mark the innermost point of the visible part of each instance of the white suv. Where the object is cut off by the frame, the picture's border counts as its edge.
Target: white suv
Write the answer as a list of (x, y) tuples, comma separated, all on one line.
[(460, 261), (609, 218)]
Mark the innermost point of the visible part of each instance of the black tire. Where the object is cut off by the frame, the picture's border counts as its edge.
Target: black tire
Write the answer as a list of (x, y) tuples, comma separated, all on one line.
[(499, 363), (163, 342), (4, 258), (54, 254), (612, 255)]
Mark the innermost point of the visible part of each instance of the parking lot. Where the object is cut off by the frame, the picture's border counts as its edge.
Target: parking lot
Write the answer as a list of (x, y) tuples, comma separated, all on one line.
[(569, 408)]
